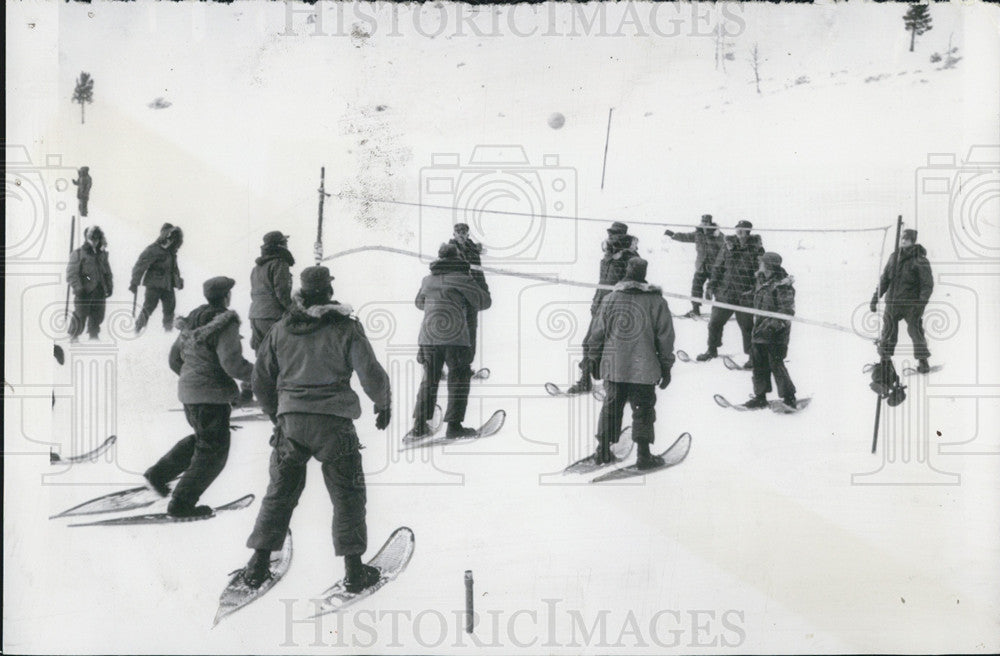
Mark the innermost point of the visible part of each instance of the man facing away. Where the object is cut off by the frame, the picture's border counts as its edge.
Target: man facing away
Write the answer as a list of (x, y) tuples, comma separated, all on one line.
[(471, 252), (89, 276), (207, 356), (270, 286), (707, 241), (732, 282), (157, 269), (446, 296), (303, 380), (906, 297), (633, 340), (774, 292)]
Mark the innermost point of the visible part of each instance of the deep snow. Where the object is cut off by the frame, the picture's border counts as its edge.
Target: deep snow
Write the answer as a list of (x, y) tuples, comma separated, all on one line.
[(763, 540)]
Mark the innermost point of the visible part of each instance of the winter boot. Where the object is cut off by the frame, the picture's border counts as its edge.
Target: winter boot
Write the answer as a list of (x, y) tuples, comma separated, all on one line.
[(756, 402), (156, 486), (185, 509), (749, 364), (647, 460), (694, 312), (923, 367), (359, 576), (602, 454), (457, 430), (258, 568), (420, 429), (246, 395), (712, 352), (790, 401), (581, 386)]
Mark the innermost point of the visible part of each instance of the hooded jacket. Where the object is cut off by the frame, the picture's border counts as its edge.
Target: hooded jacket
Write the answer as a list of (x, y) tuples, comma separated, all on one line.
[(732, 278), (773, 293), (914, 281), (471, 252), (88, 270), (613, 266), (445, 296), (306, 361), (707, 245), (157, 265), (207, 355), (633, 334), (271, 283)]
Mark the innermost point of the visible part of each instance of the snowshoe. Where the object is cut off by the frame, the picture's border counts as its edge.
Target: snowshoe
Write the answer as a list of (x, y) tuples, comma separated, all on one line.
[(362, 578), (258, 569), (923, 367), (649, 461)]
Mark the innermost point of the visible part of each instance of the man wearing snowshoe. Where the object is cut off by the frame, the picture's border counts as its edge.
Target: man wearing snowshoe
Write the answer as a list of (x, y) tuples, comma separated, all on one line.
[(633, 342), (207, 356), (618, 249), (774, 292), (89, 276), (446, 297), (303, 380), (157, 269), (732, 282), (270, 291), (707, 241), (471, 252), (906, 296)]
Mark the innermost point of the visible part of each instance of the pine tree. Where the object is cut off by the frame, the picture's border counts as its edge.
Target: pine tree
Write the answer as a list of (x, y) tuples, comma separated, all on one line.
[(84, 92), (917, 21)]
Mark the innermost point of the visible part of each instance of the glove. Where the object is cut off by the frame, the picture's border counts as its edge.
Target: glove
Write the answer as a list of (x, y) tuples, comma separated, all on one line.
[(873, 306), (382, 418), (669, 233), (709, 293), (133, 288), (664, 378), (180, 282), (594, 368)]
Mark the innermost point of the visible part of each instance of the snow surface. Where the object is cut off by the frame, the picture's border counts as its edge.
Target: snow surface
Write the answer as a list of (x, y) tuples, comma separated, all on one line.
[(769, 538)]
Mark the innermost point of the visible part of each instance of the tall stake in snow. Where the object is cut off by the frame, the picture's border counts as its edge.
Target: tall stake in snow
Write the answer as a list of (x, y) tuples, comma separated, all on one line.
[(895, 270), (607, 139), (72, 238), (318, 246)]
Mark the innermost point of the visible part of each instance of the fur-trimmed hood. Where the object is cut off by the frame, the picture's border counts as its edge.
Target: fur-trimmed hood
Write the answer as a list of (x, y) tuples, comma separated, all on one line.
[(778, 277), (449, 265), (205, 322), (268, 253), (915, 250), (638, 287), (303, 320)]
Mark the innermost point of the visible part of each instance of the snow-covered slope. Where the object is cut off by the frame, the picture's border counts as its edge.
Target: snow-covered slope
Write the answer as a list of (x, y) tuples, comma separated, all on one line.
[(769, 538)]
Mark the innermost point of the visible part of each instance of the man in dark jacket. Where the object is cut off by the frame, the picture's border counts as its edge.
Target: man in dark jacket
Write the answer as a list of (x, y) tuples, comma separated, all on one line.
[(471, 252), (446, 297), (157, 269), (89, 276), (303, 379), (774, 292), (633, 340), (732, 282), (618, 248), (707, 241), (270, 286), (906, 296), (83, 184), (207, 356)]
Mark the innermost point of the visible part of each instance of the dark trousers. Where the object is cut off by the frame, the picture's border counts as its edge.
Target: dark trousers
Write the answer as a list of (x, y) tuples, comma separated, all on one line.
[(913, 315), (155, 295), (642, 398), (83, 206), (88, 311), (433, 359), (201, 457), (717, 322), (472, 321), (334, 442), (259, 328), (698, 286), (769, 360)]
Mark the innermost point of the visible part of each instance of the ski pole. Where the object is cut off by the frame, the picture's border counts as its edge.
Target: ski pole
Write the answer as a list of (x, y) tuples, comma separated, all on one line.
[(895, 270), (135, 295), (72, 235)]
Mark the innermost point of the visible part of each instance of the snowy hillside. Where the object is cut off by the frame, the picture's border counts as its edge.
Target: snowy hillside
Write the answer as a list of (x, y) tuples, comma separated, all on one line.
[(778, 534)]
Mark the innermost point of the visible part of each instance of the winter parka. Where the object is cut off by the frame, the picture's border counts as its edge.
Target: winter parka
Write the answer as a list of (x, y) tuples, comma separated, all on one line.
[(732, 279), (305, 364), (471, 252), (157, 265), (633, 334), (88, 271), (271, 283), (773, 293), (445, 296), (914, 280), (208, 356), (613, 265)]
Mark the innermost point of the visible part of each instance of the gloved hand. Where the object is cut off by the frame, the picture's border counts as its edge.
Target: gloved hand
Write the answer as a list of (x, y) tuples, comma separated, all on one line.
[(873, 306), (669, 233), (664, 377), (709, 293), (594, 367), (382, 418), (180, 282), (133, 288)]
